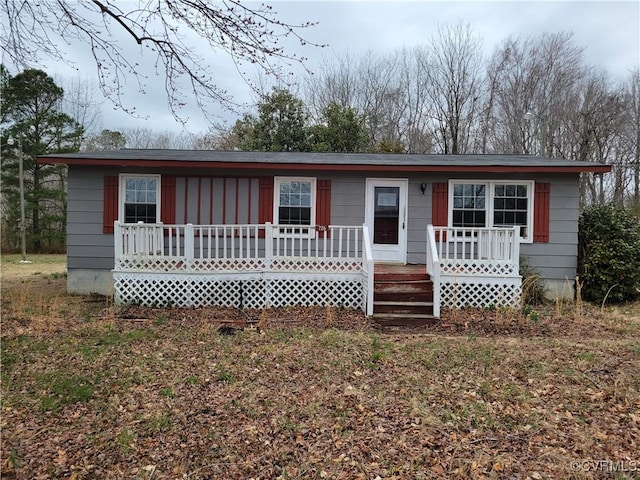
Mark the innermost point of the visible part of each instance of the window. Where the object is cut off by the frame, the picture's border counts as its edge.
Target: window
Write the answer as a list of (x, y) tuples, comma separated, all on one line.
[(469, 205), (492, 204), (511, 206), (295, 200), (140, 198)]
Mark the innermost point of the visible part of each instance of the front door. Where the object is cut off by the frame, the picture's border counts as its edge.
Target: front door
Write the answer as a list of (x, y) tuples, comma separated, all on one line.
[(386, 218)]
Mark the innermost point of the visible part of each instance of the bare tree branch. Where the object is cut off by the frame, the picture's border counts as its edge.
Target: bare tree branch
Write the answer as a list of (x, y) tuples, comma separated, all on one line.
[(35, 31)]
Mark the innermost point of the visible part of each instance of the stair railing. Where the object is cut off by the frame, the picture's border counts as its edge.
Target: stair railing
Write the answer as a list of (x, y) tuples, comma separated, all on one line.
[(433, 268), (367, 268)]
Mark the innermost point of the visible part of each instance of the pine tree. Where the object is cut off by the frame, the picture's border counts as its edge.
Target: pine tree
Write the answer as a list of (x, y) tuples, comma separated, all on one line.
[(30, 105)]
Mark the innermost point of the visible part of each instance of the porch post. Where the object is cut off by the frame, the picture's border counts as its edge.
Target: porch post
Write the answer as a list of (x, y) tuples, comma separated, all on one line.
[(268, 245), (435, 281), (188, 245), (516, 246), (117, 243)]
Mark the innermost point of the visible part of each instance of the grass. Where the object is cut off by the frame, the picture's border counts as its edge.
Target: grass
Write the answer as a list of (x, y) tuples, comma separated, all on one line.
[(62, 387), (35, 259), (87, 395)]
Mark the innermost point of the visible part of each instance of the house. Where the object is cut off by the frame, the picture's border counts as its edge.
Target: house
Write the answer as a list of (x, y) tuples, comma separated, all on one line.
[(395, 235)]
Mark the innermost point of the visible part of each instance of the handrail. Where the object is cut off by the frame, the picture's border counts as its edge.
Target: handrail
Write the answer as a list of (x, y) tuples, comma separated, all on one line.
[(433, 268), (368, 268), (490, 244), (263, 243)]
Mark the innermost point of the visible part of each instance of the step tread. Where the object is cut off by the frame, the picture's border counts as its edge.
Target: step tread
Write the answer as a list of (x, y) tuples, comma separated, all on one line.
[(405, 321), (402, 315), (402, 303)]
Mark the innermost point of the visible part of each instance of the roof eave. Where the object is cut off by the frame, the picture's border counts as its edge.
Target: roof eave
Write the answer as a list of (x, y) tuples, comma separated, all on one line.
[(594, 168)]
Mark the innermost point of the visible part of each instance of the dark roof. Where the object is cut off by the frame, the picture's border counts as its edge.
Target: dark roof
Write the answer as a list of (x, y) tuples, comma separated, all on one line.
[(321, 161)]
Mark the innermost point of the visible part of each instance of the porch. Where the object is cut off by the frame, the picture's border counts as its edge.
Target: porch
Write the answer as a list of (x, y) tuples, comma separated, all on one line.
[(266, 265)]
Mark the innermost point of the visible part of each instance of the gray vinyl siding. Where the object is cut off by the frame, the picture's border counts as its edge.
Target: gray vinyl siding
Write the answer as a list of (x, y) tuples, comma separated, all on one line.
[(555, 260), (419, 216), (347, 200), (89, 248)]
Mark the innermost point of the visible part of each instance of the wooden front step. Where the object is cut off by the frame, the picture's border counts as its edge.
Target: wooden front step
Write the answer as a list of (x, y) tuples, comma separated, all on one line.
[(403, 296)]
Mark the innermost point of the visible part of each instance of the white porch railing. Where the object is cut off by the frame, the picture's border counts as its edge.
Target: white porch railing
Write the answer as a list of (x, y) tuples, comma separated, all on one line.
[(257, 265), (433, 268), (251, 265), (474, 266), (140, 246), (478, 251), (368, 270)]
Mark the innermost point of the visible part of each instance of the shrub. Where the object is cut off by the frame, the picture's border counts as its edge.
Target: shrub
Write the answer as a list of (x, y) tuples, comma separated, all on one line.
[(609, 254), (532, 286)]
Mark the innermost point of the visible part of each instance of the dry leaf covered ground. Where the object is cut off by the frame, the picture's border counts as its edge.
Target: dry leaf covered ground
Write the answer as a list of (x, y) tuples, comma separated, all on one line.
[(94, 391)]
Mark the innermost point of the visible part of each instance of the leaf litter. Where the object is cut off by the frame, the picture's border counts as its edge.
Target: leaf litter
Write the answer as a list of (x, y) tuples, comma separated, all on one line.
[(91, 390)]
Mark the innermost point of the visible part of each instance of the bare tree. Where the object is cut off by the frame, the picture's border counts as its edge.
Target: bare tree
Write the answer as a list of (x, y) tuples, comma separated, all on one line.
[(591, 130), (414, 125), (105, 140), (533, 83), (631, 130), (81, 102), (455, 77), (143, 137), (334, 83), (33, 31), (372, 87)]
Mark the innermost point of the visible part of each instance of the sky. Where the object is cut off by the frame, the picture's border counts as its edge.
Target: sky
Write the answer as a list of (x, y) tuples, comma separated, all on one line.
[(609, 31)]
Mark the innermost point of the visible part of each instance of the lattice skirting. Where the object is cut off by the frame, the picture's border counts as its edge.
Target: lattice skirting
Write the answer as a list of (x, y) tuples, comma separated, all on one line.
[(236, 290), (466, 292), (479, 268)]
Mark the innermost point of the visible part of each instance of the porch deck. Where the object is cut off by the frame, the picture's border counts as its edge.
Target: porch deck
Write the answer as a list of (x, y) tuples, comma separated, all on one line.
[(258, 266)]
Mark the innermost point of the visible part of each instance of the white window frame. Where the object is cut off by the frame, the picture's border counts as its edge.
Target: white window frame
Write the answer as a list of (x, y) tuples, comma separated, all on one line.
[(311, 228), (489, 201), (122, 185)]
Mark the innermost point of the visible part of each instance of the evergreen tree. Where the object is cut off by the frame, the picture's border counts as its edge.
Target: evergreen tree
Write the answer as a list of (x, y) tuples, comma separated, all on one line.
[(342, 130), (281, 125), (30, 105)]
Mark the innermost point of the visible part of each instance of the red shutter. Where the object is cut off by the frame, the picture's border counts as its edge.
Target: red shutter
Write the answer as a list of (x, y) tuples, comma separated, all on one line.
[(440, 205), (541, 206), (265, 201), (323, 207), (110, 203), (168, 199)]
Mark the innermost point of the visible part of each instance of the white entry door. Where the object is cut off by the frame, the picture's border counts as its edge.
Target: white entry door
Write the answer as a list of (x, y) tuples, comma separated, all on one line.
[(386, 218)]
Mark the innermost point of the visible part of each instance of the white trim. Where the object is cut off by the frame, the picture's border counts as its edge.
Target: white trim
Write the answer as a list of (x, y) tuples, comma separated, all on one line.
[(489, 201), (122, 189), (276, 205), (396, 252)]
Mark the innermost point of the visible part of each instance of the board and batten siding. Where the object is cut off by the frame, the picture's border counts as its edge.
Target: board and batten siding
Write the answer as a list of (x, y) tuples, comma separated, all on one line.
[(206, 200)]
